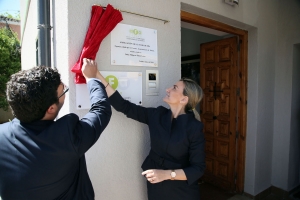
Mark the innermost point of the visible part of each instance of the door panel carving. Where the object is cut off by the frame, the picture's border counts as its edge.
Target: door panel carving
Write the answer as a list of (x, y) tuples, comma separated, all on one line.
[(218, 80)]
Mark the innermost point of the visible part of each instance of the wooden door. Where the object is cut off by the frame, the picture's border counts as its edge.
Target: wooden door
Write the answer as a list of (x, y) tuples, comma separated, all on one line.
[(218, 71)]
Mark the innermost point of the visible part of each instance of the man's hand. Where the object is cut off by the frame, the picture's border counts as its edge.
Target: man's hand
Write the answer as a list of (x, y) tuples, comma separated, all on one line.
[(89, 69)]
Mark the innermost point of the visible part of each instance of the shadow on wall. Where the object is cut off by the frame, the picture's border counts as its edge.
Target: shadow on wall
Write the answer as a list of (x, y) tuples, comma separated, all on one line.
[(5, 116)]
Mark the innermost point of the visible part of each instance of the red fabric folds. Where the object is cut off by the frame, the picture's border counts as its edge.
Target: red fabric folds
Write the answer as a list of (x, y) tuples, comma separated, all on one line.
[(102, 22)]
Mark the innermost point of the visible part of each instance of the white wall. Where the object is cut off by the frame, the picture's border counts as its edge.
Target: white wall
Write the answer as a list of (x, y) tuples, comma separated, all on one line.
[(114, 162), (62, 39), (266, 26), (285, 149), (252, 112), (29, 36), (191, 40)]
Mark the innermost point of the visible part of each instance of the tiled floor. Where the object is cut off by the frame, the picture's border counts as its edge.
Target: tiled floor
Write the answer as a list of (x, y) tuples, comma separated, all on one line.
[(270, 197), (294, 196), (241, 197), (210, 192), (238, 197)]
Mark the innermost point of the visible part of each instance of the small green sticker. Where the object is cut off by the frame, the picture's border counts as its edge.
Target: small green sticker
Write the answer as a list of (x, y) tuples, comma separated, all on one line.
[(113, 81)]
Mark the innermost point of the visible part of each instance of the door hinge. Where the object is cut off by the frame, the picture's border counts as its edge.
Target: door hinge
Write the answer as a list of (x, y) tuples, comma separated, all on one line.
[(237, 134), (238, 91)]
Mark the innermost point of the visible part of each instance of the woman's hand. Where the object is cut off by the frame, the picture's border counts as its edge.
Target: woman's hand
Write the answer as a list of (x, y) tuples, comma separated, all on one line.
[(159, 175), (156, 175)]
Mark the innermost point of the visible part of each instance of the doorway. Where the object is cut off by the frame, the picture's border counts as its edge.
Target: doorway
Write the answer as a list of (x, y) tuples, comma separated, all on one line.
[(225, 159)]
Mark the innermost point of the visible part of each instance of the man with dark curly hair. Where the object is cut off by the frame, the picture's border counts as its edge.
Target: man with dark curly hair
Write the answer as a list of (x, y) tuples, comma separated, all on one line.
[(43, 158)]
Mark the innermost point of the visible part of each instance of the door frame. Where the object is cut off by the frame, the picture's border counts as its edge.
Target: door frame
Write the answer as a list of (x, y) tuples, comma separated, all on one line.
[(242, 96)]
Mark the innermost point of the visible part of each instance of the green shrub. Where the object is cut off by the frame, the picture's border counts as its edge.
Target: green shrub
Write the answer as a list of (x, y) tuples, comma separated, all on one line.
[(10, 61)]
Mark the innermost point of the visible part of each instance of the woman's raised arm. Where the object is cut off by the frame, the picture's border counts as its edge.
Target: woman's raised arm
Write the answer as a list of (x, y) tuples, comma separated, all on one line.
[(108, 88)]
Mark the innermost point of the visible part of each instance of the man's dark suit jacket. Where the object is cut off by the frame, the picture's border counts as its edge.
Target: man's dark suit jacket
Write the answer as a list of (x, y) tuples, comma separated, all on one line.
[(45, 159)]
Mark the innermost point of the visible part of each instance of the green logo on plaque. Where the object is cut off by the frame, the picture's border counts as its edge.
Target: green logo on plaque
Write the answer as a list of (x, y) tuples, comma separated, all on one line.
[(113, 81), (135, 31)]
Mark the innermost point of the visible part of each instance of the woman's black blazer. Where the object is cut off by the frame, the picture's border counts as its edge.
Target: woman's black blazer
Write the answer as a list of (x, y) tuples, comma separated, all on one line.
[(175, 144)]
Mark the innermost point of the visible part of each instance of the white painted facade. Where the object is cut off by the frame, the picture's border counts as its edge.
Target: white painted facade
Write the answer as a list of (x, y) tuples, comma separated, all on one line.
[(272, 143)]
